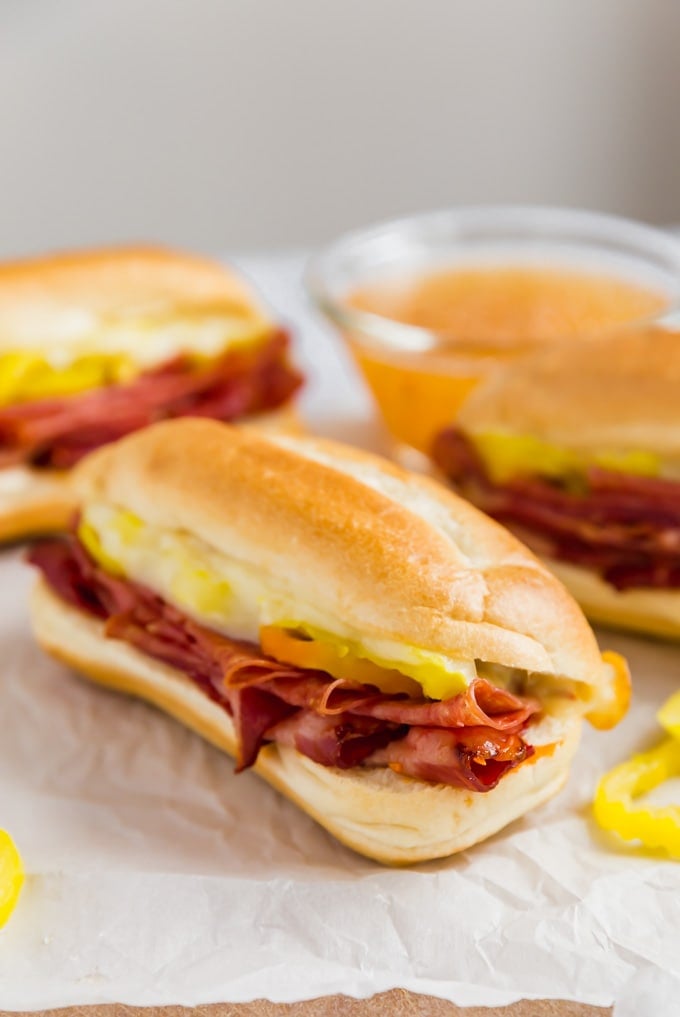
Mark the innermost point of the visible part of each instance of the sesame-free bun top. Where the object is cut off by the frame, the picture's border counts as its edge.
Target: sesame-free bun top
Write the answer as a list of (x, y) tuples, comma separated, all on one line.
[(65, 297), (616, 394), (348, 536)]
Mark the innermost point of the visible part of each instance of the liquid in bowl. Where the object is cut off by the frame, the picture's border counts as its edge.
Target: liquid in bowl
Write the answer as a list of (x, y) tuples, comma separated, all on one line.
[(482, 316)]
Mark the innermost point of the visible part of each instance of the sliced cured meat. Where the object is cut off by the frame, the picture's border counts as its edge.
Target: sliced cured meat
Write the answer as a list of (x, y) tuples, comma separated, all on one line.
[(626, 527), (470, 740), (342, 740), (481, 704), (56, 433), (468, 756)]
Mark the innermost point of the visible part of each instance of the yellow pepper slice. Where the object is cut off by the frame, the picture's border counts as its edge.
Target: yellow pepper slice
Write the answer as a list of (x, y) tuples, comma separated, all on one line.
[(89, 537), (11, 876), (25, 377), (338, 660), (669, 715), (614, 707), (615, 808)]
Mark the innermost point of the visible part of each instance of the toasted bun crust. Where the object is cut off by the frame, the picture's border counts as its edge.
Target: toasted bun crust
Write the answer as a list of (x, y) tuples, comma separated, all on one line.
[(52, 298), (43, 501), (654, 612), (281, 421), (616, 393), (389, 554), (33, 502), (46, 303), (387, 817)]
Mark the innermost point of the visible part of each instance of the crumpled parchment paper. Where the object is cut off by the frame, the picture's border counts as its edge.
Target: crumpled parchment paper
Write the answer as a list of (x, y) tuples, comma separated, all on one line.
[(157, 876)]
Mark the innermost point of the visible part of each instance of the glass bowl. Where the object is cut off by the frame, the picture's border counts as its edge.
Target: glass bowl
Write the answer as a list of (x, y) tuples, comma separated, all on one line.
[(421, 374)]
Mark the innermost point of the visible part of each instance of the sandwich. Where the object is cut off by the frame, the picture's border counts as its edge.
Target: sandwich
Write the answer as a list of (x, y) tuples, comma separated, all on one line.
[(96, 344), (386, 656), (577, 450)]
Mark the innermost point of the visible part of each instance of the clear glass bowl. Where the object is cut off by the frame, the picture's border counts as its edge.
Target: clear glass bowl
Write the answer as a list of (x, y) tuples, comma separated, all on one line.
[(420, 376)]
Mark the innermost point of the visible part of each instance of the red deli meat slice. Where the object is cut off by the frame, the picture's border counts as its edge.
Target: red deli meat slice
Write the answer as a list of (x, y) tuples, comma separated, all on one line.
[(625, 527), (56, 433), (481, 704), (471, 757), (335, 723), (342, 740), (468, 756)]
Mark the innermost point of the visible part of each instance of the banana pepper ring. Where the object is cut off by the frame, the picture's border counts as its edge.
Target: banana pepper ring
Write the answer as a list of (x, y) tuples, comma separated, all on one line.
[(669, 715), (615, 808), (11, 876)]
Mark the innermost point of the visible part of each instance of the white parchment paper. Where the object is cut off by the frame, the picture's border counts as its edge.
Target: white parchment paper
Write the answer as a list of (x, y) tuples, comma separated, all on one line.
[(157, 876)]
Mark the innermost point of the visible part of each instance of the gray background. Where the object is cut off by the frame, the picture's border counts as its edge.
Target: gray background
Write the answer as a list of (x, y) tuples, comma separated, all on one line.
[(241, 124)]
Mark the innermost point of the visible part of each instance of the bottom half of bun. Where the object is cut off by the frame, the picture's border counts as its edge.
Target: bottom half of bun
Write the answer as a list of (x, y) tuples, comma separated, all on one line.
[(387, 817), (655, 612), (33, 502)]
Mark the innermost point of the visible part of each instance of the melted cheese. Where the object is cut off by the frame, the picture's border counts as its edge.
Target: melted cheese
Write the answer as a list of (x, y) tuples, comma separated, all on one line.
[(237, 599), (507, 455), (117, 352)]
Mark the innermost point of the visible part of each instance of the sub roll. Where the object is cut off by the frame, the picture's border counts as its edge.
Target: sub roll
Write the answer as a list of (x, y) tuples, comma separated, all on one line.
[(382, 653), (577, 450), (97, 344)]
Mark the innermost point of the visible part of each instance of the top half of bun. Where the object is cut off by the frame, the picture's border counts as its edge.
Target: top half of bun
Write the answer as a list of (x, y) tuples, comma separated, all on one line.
[(615, 393), (387, 553), (56, 297)]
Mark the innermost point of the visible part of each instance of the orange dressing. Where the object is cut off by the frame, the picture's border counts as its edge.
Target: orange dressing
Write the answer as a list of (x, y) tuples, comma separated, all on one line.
[(482, 315)]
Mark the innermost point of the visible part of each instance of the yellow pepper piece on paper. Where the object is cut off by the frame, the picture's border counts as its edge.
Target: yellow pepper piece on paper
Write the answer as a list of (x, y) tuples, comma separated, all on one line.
[(11, 876), (615, 807)]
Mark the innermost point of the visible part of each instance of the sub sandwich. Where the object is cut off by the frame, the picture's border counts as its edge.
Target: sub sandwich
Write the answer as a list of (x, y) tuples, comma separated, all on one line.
[(96, 344), (378, 650), (577, 450)]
